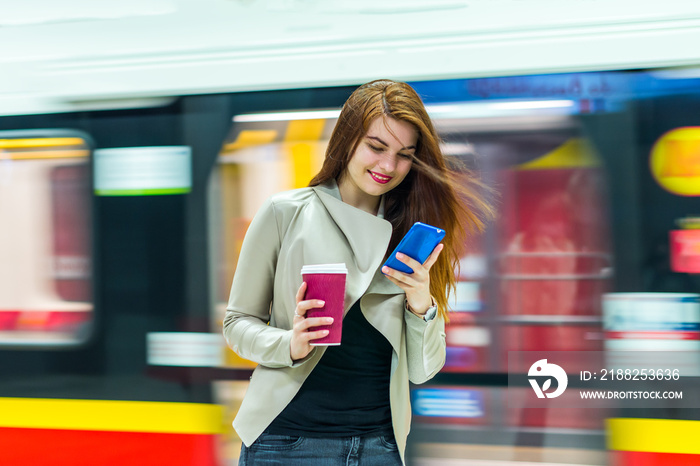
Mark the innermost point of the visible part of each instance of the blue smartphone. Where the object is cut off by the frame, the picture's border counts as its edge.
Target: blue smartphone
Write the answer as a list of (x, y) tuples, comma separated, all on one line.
[(418, 243)]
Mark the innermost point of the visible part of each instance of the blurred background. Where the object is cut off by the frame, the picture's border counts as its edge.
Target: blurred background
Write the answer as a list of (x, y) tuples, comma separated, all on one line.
[(138, 139)]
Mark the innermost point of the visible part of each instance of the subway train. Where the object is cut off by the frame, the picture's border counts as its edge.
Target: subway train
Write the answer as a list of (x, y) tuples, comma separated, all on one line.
[(112, 262), (127, 184)]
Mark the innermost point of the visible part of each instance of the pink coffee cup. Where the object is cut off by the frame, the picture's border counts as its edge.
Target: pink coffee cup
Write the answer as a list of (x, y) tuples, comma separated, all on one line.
[(326, 282)]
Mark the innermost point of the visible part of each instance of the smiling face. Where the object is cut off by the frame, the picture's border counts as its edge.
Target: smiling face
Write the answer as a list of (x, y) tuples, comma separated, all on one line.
[(380, 162)]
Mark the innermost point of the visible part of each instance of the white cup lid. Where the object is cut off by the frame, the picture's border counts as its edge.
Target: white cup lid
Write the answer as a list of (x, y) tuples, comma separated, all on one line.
[(325, 268)]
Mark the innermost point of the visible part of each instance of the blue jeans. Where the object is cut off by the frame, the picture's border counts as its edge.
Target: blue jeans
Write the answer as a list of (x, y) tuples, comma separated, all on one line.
[(285, 450)]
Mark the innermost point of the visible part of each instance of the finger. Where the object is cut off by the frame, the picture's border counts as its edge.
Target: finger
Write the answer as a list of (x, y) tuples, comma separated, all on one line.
[(315, 322), (301, 292), (303, 306), (395, 281), (311, 304), (408, 260), (403, 285), (433, 257), (308, 336), (396, 276)]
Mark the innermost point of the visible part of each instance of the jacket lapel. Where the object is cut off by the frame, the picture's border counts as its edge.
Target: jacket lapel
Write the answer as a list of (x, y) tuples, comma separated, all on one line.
[(368, 237)]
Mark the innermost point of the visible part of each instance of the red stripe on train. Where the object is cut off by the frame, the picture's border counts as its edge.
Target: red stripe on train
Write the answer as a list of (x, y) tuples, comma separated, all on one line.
[(54, 447), (644, 335), (643, 458)]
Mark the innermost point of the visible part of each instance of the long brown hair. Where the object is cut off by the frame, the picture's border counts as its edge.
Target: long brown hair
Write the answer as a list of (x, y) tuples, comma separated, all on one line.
[(449, 197)]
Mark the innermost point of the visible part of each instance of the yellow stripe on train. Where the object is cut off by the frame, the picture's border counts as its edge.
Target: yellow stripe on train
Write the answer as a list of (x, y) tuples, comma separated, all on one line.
[(111, 415), (40, 142), (654, 435)]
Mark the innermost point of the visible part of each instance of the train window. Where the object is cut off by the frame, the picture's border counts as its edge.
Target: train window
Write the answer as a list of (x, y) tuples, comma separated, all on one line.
[(263, 154), (45, 238)]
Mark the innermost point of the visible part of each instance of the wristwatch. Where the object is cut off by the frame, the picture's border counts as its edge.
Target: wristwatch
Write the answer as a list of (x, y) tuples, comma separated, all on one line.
[(429, 314)]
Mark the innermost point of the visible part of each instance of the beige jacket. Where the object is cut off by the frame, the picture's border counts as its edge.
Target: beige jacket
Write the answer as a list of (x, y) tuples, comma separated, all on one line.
[(314, 226)]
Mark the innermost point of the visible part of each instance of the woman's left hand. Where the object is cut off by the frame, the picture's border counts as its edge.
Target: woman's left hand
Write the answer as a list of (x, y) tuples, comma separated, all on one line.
[(417, 284)]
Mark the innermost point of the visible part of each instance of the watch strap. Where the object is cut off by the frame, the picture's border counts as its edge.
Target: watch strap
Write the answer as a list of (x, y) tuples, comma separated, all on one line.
[(429, 314)]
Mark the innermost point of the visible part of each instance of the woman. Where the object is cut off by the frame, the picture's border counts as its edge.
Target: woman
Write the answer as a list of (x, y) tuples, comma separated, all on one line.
[(349, 404)]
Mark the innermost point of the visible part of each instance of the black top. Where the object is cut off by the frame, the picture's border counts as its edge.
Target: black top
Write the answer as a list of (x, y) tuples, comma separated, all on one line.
[(347, 393)]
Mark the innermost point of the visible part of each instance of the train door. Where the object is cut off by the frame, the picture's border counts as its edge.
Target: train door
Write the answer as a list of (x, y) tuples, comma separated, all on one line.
[(45, 239)]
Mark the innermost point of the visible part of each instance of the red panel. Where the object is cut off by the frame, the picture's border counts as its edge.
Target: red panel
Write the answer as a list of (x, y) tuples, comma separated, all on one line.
[(67, 321), (685, 251), (584, 341), (53, 447), (70, 196), (553, 243), (642, 458), (8, 319), (554, 261)]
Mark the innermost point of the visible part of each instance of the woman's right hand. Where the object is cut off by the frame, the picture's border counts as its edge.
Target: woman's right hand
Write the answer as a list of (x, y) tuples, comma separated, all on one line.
[(301, 336)]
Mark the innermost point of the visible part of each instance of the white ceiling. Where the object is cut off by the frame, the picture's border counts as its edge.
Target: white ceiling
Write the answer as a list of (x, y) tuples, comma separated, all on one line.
[(63, 56)]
